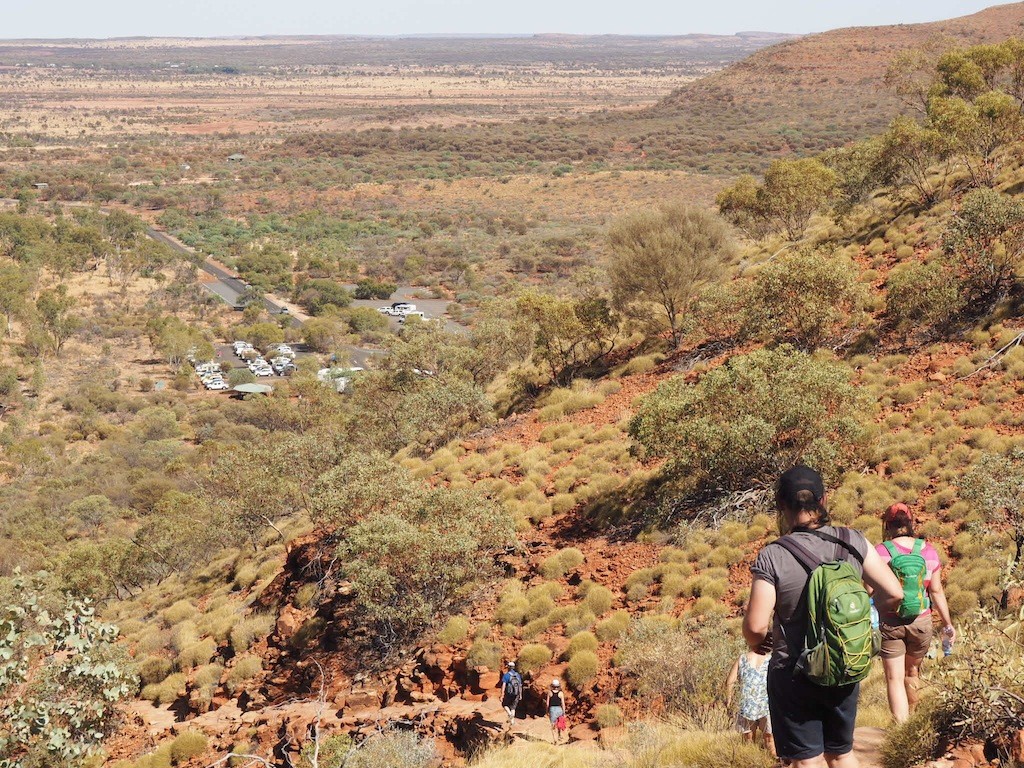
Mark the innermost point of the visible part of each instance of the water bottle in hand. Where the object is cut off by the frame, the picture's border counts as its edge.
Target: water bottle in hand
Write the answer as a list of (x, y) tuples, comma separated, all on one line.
[(947, 641)]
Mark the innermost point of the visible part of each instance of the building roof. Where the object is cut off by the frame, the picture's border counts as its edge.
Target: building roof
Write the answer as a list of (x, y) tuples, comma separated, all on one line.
[(253, 389)]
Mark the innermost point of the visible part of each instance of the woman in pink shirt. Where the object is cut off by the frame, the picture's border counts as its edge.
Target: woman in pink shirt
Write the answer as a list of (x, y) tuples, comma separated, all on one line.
[(905, 640)]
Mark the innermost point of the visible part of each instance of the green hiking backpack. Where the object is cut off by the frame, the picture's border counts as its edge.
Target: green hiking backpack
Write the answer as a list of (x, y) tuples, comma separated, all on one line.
[(912, 570), (840, 640)]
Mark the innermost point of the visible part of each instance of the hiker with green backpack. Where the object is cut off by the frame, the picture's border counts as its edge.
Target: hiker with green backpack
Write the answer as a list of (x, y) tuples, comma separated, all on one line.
[(907, 628), (808, 590)]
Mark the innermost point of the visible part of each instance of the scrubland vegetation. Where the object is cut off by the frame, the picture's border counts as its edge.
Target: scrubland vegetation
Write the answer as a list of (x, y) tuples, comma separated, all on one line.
[(577, 479)]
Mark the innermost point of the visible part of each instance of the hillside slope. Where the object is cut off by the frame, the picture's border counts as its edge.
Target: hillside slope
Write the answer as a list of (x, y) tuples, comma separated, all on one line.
[(799, 96), (810, 93)]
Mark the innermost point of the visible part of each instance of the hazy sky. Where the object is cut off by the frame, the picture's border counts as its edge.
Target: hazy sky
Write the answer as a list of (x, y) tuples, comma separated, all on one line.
[(202, 18)]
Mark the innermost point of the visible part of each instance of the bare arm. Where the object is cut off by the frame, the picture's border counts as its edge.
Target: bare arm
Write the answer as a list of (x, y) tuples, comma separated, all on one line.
[(885, 587), (730, 682), (758, 619), (938, 597)]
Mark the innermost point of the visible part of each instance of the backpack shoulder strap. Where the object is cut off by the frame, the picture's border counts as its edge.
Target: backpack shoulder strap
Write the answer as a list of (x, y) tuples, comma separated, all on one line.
[(891, 549), (918, 547), (843, 540), (803, 555)]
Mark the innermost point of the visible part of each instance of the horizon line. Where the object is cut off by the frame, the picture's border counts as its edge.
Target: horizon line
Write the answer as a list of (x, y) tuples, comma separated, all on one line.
[(396, 36)]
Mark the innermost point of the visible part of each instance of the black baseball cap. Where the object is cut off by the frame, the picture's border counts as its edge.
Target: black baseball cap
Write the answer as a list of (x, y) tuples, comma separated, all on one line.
[(796, 479)]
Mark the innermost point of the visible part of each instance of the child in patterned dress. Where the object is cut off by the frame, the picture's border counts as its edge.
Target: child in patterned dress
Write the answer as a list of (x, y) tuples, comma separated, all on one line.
[(751, 672)]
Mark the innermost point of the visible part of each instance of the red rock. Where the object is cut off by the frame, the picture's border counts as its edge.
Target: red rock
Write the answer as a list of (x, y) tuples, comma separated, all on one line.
[(1017, 747), (583, 732), (288, 622), (486, 682), (363, 698)]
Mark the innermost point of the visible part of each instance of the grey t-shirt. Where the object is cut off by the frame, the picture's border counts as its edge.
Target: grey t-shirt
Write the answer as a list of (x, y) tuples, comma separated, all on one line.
[(778, 567)]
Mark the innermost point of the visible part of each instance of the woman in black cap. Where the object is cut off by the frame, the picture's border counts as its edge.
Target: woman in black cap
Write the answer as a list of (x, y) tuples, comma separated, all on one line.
[(812, 725)]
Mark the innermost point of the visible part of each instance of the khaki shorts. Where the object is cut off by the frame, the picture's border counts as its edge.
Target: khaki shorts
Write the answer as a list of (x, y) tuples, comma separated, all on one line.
[(911, 639)]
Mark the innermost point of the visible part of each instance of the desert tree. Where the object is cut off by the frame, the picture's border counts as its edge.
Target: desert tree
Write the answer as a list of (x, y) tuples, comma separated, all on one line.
[(569, 335), (912, 73), (791, 192), (662, 258), (919, 158), (978, 131), (739, 204), (54, 311), (985, 240), (15, 287)]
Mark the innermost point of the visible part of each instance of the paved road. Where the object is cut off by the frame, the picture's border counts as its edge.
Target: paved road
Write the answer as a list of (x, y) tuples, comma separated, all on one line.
[(228, 287), (225, 285)]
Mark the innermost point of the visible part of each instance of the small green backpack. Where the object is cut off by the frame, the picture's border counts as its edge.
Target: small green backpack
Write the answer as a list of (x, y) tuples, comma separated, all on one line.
[(912, 570), (840, 640)]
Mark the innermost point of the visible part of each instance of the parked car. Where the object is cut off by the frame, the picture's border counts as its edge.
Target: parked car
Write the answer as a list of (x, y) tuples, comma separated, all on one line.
[(217, 385)]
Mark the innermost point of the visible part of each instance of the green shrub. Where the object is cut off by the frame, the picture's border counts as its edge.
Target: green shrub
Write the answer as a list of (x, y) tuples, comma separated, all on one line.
[(612, 628), (608, 716), (562, 562), (540, 605), (925, 295), (246, 576), (533, 628), (806, 299), (751, 418), (579, 621), (186, 746), (454, 631), (208, 676), (244, 669), (165, 691), (643, 577), (532, 657), (637, 592), (598, 599), (484, 653), (513, 605), (154, 669), (393, 749), (306, 595), (178, 612), (581, 641), (257, 626), (911, 743), (196, 654), (582, 668), (651, 656)]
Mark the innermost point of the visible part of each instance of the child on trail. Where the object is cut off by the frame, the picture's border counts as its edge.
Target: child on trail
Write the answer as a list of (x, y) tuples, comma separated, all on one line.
[(751, 672), (511, 691), (907, 628), (555, 705)]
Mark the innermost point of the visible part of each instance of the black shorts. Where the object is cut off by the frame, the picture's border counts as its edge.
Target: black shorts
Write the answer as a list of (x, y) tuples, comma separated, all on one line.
[(808, 720)]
